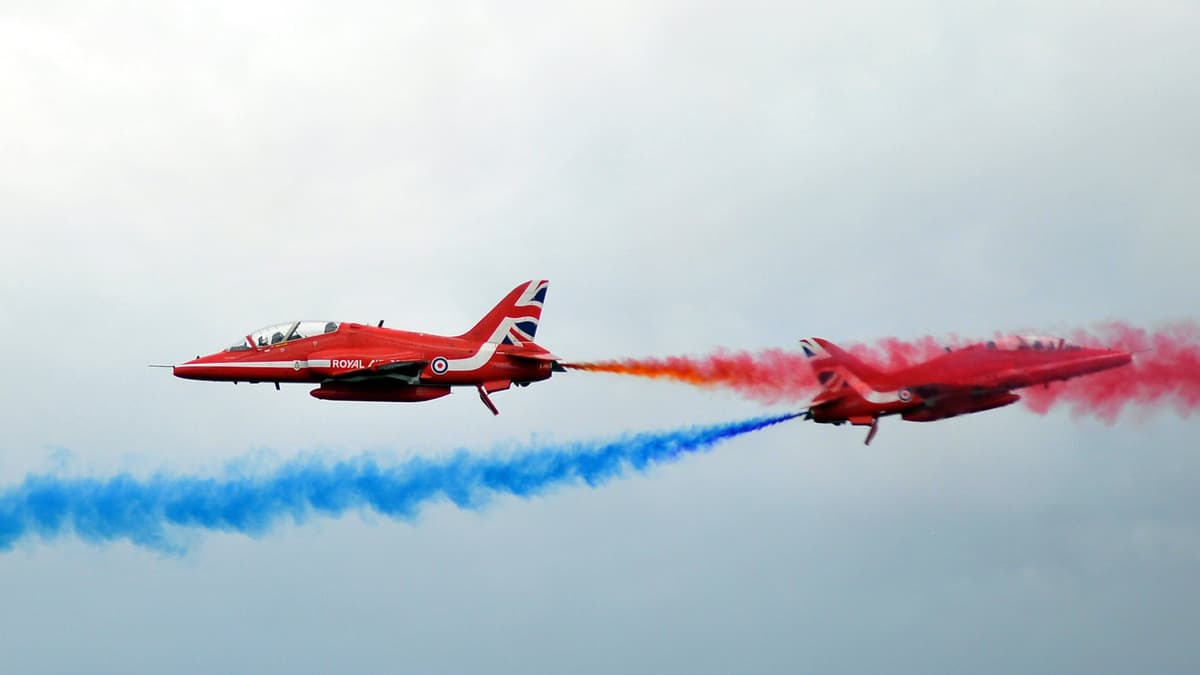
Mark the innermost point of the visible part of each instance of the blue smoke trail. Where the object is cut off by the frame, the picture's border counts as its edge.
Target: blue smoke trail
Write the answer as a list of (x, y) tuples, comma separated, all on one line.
[(145, 511)]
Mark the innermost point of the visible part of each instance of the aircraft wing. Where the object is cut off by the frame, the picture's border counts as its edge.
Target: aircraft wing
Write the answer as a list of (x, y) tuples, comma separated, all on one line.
[(994, 383), (544, 356), (403, 366), (934, 391)]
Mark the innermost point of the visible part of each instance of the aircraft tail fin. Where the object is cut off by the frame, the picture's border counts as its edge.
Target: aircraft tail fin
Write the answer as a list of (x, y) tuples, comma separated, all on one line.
[(839, 370), (514, 321)]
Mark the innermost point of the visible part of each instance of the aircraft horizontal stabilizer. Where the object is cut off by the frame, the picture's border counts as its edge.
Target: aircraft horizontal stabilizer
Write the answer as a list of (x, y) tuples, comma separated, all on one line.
[(539, 356)]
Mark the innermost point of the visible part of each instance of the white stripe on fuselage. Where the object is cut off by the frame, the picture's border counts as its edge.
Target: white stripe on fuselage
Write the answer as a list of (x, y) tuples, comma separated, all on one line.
[(864, 390), (314, 363), (507, 324), (488, 349), (474, 361)]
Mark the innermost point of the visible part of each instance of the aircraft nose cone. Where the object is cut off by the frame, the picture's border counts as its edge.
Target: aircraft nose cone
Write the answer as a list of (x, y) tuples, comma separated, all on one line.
[(1098, 360), (187, 370), (1113, 359)]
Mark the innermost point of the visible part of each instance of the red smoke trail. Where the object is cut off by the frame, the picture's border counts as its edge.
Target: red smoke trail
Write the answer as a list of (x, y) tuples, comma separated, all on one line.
[(770, 376), (893, 353), (1166, 370)]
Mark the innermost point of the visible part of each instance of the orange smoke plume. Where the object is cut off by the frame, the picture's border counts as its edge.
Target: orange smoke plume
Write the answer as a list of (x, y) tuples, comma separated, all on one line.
[(770, 376)]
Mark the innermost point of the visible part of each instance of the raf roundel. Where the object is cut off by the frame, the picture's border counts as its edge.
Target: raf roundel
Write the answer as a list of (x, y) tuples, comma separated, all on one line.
[(905, 395), (439, 365)]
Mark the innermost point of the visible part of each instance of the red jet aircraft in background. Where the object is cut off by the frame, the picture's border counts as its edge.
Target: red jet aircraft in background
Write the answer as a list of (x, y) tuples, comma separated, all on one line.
[(356, 362), (975, 378)]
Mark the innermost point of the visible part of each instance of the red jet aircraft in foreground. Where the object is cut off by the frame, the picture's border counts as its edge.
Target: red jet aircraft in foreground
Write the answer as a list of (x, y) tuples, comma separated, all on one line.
[(355, 362), (974, 378)]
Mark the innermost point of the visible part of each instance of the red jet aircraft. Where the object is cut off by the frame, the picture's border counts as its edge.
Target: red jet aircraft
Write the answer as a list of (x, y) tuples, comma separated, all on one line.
[(356, 362), (975, 378)]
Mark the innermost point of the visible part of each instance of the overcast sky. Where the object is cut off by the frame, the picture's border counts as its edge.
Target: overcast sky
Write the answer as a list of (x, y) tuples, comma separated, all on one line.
[(688, 175)]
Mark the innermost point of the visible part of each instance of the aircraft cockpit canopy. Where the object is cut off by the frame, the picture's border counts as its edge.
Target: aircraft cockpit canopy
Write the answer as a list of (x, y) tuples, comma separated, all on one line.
[(1022, 342), (284, 332)]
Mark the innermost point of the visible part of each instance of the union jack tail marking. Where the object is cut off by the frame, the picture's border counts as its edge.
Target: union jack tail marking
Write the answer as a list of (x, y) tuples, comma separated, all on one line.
[(514, 321)]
